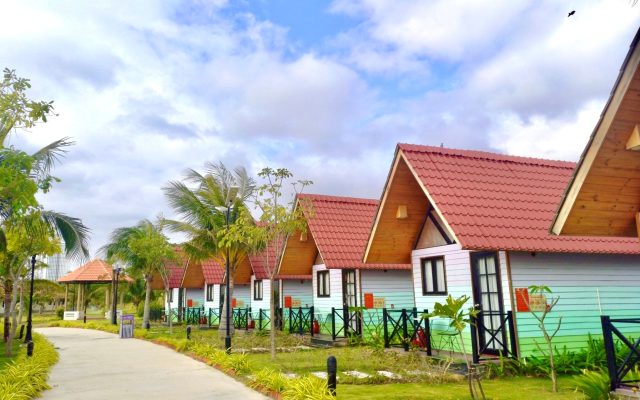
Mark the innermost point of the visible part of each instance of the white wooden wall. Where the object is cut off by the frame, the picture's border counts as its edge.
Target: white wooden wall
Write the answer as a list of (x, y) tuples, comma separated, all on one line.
[(302, 290), (256, 305), (395, 286)]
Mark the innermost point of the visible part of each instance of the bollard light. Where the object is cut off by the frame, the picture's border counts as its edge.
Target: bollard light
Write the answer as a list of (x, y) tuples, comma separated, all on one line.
[(148, 326), (188, 332), (332, 370)]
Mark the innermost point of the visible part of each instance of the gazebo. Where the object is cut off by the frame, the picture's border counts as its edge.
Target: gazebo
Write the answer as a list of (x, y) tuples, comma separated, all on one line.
[(95, 271)]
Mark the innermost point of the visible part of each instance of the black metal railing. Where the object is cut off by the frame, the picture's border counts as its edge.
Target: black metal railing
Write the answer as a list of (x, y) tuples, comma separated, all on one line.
[(264, 319), (213, 317), (173, 314), (301, 320), (345, 322), (490, 340), (194, 315), (241, 318), (403, 328), (617, 366)]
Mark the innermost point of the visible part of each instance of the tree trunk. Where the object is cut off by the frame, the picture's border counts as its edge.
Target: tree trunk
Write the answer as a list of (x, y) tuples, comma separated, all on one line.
[(147, 300), (21, 302), (169, 320), (14, 303), (7, 302), (272, 318), (554, 377), (222, 330)]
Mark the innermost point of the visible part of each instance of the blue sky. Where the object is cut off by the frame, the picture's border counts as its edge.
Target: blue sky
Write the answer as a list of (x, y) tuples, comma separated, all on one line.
[(324, 88)]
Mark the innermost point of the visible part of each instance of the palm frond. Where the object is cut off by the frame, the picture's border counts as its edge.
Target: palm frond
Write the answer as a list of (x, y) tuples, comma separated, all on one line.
[(50, 154), (72, 231)]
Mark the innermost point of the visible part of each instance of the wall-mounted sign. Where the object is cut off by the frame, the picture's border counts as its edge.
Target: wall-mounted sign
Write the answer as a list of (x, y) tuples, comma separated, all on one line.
[(240, 303), (295, 303), (379, 302), (522, 300), (287, 302), (368, 300), (537, 302)]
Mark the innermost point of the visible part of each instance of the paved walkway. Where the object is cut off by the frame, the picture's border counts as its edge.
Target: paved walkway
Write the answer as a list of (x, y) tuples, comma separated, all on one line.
[(98, 365)]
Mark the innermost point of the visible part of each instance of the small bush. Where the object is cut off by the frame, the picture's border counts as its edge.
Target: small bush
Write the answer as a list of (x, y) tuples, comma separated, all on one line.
[(60, 312), (594, 384), (270, 379), (25, 377), (307, 388), (155, 311)]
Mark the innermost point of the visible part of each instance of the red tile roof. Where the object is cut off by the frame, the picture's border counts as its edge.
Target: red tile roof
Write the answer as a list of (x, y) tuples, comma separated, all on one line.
[(213, 272), (294, 277), (498, 202), (266, 260), (340, 227), (93, 271)]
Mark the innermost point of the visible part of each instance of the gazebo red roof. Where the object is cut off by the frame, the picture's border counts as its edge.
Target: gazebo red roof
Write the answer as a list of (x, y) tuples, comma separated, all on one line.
[(93, 271)]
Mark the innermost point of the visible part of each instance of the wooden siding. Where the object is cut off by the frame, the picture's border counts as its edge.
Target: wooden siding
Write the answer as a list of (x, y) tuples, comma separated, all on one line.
[(242, 293), (215, 302), (458, 276), (323, 304), (301, 290), (243, 272), (588, 286), (396, 287), (392, 239), (256, 305), (196, 295)]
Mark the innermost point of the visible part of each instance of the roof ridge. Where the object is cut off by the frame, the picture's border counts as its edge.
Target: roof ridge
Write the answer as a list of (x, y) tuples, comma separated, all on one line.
[(338, 199), (487, 155)]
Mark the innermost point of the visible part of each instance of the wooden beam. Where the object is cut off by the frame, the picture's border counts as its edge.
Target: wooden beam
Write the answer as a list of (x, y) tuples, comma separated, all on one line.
[(634, 140), (638, 224)]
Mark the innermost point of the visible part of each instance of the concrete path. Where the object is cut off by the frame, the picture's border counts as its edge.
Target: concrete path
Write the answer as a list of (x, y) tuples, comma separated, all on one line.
[(98, 365)]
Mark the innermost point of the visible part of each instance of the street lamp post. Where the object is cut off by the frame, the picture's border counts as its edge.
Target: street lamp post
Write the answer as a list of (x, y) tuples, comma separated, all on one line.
[(28, 338), (227, 338), (116, 274)]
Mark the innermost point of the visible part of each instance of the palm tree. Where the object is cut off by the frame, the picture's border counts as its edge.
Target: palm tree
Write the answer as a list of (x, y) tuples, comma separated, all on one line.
[(145, 250), (204, 222)]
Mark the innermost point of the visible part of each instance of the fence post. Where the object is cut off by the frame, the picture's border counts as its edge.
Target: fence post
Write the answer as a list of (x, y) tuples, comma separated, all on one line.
[(384, 328), (345, 320), (290, 326), (512, 335), (333, 323), (260, 319), (474, 341), (610, 351), (312, 319), (427, 333), (405, 335), (300, 324)]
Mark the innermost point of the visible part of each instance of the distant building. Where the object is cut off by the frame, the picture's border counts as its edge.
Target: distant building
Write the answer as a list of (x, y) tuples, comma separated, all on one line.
[(58, 265)]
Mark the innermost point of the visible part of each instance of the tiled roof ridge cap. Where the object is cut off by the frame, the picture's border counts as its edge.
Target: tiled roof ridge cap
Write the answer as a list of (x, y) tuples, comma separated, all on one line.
[(487, 155), (337, 199)]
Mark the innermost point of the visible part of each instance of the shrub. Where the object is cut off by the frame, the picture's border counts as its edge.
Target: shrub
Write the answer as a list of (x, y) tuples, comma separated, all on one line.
[(25, 377), (307, 388), (270, 379), (156, 310), (594, 384), (60, 312)]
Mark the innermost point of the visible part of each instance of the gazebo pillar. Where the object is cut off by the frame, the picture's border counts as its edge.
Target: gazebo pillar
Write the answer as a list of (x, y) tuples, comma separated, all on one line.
[(107, 299), (66, 295), (78, 296)]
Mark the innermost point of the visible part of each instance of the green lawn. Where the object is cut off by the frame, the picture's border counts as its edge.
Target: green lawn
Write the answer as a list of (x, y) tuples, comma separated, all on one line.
[(496, 389)]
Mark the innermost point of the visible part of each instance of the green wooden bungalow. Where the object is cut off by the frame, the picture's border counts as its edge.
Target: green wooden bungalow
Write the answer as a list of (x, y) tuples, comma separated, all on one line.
[(477, 224)]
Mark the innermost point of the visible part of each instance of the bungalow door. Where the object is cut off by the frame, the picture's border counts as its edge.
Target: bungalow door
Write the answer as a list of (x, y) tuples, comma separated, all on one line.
[(350, 296), (487, 292)]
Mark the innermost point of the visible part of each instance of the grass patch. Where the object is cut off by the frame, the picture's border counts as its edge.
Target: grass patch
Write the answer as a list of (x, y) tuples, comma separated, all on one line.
[(25, 377), (496, 389)]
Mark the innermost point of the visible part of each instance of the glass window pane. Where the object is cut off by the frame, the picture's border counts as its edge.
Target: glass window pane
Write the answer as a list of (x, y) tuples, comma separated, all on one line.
[(440, 275), (493, 284), (491, 265), (481, 266)]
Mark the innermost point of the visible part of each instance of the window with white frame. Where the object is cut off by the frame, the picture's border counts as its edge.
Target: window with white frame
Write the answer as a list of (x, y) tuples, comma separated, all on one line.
[(323, 284), (209, 292), (257, 290), (434, 281)]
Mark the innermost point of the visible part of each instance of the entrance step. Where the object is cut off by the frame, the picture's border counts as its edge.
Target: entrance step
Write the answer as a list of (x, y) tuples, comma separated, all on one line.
[(324, 341)]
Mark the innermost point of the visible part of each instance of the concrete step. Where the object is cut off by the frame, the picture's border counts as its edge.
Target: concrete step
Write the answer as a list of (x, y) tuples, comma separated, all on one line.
[(324, 341)]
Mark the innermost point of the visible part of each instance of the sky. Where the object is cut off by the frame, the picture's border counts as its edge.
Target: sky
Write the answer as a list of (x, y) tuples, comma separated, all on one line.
[(149, 88)]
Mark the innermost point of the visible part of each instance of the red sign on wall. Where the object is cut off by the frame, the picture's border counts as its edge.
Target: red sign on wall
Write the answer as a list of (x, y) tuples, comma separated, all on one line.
[(234, 302), (190, 303), (368, 300), (287, 302), (522, 300)]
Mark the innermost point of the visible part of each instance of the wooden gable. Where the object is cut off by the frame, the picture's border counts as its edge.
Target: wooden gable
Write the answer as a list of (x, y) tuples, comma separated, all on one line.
[(193, 276), (243, 272), (603, 198), (400, 217), (299, 254)]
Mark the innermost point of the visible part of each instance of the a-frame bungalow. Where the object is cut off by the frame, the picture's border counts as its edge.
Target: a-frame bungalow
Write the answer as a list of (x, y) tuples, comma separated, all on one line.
[(476, 223), (331, 252)]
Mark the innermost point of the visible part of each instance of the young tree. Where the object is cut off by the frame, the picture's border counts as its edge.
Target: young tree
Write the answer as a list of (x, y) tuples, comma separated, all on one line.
[(203, 208), (459, 319), (540, 311), (280, 218), (144, 249)]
